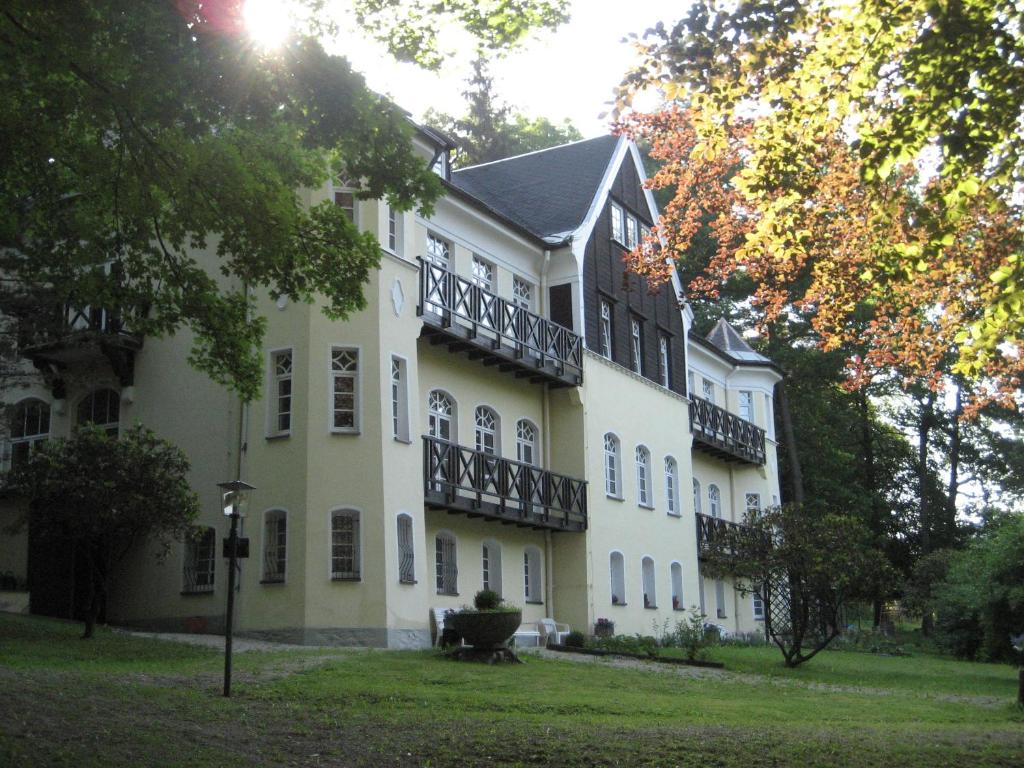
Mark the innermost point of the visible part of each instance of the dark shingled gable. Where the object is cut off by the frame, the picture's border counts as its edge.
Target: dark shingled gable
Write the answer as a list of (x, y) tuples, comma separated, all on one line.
[(548, 192)]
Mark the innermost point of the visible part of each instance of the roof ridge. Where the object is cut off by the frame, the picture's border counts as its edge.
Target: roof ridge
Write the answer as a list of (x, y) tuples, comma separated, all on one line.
[(533, 152)]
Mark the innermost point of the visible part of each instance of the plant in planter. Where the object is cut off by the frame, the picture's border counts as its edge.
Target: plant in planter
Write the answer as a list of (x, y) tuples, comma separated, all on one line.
[(489, 624)]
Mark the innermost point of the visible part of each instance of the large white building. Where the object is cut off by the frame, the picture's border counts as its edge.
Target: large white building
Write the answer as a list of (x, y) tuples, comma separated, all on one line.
[(511, 411)]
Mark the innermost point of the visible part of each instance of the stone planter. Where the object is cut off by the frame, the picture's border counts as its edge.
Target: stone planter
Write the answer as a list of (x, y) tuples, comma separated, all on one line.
[(486, 629)]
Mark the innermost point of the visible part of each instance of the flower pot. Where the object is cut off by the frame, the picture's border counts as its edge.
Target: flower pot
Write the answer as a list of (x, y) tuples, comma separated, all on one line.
[(486, 629)]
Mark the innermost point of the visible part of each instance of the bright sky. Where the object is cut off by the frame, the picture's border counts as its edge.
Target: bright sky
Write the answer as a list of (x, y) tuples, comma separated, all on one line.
[(567, 73)]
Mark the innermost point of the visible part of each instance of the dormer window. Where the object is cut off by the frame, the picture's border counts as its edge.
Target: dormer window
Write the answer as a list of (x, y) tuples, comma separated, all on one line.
[(618, 227)]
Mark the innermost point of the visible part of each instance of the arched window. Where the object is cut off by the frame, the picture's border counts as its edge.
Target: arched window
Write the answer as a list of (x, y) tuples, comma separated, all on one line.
[(677, 587), (532, 575), (696, 495), (200, 561), (345, 549), (647, 576), (441, 413), (101, 407), (612, 480), (406, 551), (672, 486), (446, 569), (714, 501), (486, 433), (30, 425), (617, 569), (526, 443), (643, 477), (275, 545), (491, 563)]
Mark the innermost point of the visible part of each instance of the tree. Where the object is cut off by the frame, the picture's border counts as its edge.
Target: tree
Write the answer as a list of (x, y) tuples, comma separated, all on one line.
[(491, 130), (806, 564), (105, 495), (137, 134), (903, 80)]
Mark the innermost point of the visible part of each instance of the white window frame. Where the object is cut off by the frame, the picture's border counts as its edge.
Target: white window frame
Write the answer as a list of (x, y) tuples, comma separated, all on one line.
[(636, 345), (745, 399), (483, 273), (632, 227), (524, 445), (769, 416), (201, 563), (435, 417), (752, 502), (612, 466), (31, 434), (696, 496), (393, 229), (691, 384), (481, 431), (522, 293), (346, 189), (335, 377), (338, 557), (532, 576), (757, 605), (672, 486), (112, 428), (617, 577), (446, 574), (274, 565), (275, 397), (714, 501), (664, 361), (644, 491), (399, 380), (618, 222), (606, 329), (708, 390), (439, 250)]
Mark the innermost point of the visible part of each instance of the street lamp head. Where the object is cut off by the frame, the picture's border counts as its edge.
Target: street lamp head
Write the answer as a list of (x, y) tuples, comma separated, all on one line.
[(235, 495)]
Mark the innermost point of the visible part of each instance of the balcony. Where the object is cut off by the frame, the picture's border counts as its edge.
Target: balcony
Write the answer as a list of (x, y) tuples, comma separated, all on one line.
[(467, 318), (725, 435), (68, 336), (461, 480), (708, 528)]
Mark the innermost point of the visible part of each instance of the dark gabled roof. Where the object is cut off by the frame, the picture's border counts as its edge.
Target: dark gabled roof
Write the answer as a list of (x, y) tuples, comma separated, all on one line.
[(548, 192)]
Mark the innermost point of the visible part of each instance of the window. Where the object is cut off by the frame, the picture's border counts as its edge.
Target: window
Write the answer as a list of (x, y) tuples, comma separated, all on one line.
[(611, 466), (394, 229), (645, 233), (406, 551), (758, 605), (714, 501), (526, 443), (709, 391), (200, 559), (492, 566), (696, 495), (630, 232), (720, 599), (522, 293), (747, 405), (769, 416), (280, 400), (635, 345), (345, 198), (345, 554), (440, 415), (617, 222), (753, 503), (345, 388), (664, 362), (691, 385), (487, 431), (102, 408), (532, 575), (617, 569), (606, 329), (672, 486), (399, 400), (30, 425), (275, 545), (647, 576), (439, 250), (643, 477), (446, 568), (483, 274), (677, 587)]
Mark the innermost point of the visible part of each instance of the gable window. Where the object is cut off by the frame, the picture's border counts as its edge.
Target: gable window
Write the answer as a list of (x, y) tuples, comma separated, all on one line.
[(747, 405), (200, 560), (617, 572), (399, 400), (446, 568), (635, 345), (526, 443), (617, 222), (677, 587), (696, 495), (630, 231), (101, 407), (714, 501), (531, 575), (491, 565), (643, 477), (345, 554), (709, 391), (664, 361), (672, 486), (394, 228), (522, 293), (611, 466), (275, 541), (647, 578), (606, 329), (345, 389), (406, 551), (281, 397), (487, 431), (483, 274), (438, 250), (30, 425)]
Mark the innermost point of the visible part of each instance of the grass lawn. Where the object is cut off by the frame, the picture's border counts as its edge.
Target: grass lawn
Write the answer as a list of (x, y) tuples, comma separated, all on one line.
[(127, 701)]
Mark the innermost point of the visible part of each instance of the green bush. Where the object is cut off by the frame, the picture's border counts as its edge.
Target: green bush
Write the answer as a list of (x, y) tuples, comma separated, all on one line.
[(643, 645), (576, 639), (487, 600), (689, 634)]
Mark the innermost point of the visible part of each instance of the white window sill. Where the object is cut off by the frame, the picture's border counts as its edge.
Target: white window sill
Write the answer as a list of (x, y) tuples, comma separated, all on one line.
[(340, 431), (614, 498), (676, 515), (646, 506), (403, 440)]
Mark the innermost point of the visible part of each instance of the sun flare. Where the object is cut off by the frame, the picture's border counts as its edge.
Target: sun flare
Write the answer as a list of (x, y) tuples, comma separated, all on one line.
[(268, 22)]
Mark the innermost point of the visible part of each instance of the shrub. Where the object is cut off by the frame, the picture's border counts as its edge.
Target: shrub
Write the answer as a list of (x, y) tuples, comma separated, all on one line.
[(575, 639), (487, 600), (644, 645), (689, 634)]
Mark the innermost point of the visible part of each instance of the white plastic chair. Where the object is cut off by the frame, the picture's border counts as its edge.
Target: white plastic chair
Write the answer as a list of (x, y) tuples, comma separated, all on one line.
[(438, 614), (552, 631)]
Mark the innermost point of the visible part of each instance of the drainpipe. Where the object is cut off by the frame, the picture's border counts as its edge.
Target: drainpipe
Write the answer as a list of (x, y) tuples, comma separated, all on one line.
[(542, 306)]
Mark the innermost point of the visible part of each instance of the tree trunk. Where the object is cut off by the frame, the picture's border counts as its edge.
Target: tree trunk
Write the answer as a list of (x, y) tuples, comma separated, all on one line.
[(924, 426), (796, 476), (875, 519), (953, 489)]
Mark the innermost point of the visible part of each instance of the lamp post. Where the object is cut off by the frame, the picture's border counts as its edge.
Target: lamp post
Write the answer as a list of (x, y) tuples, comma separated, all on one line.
[(235, 493)]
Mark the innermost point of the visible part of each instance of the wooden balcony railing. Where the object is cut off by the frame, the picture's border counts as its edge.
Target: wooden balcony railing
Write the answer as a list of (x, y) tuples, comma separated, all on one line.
[(724, 434), (495, 330), (708, 528), (479, 484)]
